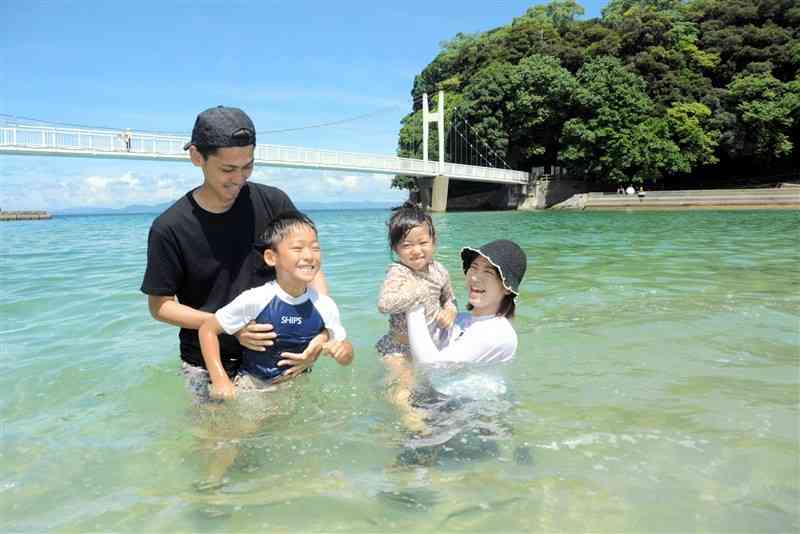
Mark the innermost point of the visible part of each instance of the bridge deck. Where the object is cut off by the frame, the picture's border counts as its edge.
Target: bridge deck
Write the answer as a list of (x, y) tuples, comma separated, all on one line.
[(53, 141)]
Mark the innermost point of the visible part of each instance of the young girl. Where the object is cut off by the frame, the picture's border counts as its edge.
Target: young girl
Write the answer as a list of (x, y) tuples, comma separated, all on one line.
[(415, 279)]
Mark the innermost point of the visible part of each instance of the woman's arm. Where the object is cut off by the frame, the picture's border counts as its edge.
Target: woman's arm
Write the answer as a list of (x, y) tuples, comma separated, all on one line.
[(475, 344)]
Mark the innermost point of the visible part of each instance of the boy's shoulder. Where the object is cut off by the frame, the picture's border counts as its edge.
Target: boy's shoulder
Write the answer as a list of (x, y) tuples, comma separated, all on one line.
[(317, 297), (260, 293), (273, 289)]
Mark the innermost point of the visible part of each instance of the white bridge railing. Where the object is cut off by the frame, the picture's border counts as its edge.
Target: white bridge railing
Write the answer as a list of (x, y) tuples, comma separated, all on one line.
[(55, 141)]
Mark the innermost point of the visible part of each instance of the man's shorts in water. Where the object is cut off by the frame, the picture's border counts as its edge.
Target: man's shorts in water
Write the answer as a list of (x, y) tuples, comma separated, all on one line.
[(198, 383)]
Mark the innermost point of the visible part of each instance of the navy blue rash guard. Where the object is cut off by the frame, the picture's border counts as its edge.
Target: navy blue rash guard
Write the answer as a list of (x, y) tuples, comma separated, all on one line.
[(296, 320)]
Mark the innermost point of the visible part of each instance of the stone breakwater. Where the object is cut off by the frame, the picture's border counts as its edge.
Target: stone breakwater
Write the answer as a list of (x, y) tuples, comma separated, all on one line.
[(24, 215), (782, 197)]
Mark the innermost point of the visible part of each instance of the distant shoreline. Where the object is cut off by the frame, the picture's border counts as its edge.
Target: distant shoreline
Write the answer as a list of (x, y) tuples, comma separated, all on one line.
[(160, 208), (59, 215)]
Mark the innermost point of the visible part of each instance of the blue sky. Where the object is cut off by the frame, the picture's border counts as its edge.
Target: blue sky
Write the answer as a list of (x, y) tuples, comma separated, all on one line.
[(154, 65)]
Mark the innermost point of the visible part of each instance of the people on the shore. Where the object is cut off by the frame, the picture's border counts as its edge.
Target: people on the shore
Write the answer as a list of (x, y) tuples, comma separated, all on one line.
[(128, 138), (641, 194), (415, 279), (300, 316), (200, 250)]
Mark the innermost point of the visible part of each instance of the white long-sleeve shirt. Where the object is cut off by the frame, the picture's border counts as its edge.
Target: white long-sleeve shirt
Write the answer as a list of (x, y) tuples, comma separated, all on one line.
[(482, 339)]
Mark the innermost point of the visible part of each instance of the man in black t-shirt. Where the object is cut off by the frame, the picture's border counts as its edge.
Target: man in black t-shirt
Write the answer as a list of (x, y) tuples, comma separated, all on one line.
[(200, 252)]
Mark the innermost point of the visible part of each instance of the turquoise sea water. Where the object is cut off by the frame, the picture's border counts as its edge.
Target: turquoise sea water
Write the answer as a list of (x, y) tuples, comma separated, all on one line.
[(655, 388)]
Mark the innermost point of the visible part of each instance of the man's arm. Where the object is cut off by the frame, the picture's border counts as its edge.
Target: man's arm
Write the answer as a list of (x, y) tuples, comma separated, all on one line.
[(166, 309), (170, 311)]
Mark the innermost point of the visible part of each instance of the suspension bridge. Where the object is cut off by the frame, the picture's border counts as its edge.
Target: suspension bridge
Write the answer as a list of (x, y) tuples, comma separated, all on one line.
[(63, 141)]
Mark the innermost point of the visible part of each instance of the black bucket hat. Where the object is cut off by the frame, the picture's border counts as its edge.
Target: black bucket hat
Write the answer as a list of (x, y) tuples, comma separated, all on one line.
[(506, 256), (222, 127)]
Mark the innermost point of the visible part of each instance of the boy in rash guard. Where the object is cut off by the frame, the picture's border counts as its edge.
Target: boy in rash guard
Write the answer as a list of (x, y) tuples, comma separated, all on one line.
[(300, 315)]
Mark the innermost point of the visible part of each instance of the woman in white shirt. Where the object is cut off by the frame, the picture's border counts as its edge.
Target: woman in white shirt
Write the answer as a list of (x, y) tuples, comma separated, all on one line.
[(484, 334), (461, 409)]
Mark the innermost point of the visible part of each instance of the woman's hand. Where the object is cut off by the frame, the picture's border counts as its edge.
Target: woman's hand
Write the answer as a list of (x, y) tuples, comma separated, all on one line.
[(256, 336)]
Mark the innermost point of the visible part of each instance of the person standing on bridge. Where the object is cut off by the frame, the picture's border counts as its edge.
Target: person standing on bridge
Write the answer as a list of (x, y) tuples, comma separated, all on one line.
[(200, 252)]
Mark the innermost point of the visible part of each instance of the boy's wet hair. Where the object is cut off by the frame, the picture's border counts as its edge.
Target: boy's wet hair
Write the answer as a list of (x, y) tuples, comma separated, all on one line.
[(404, 220), (279, 227)]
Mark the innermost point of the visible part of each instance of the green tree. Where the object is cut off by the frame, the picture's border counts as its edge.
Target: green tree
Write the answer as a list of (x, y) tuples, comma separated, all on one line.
[(619, 136), (618, 10), (522, 108), (741, 32), (765, 110), (696, 84), (692, 131), (542, 99), (563, 12), (599, 142), (487, 99)]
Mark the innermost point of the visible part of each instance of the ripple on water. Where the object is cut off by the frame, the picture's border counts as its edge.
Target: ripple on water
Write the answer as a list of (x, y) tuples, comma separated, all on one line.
[(655, 384)]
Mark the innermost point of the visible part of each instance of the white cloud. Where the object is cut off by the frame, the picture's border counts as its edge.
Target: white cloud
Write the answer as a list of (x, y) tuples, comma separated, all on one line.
[(125, 189), (55, 184), (329, 186), (348, 182)]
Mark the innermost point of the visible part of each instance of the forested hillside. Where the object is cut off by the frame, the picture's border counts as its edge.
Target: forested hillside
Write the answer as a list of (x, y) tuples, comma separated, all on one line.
[(655, 91)]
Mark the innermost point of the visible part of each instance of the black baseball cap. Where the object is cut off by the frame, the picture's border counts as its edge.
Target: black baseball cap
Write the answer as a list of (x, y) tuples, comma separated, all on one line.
[(221, 127), (506, 256)]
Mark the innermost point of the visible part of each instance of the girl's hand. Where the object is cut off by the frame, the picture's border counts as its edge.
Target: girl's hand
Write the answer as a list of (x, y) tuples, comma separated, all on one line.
[(224, 390), (446, 316)]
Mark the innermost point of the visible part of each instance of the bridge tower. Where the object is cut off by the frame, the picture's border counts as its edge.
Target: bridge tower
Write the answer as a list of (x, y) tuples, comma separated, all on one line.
[(440, 182)]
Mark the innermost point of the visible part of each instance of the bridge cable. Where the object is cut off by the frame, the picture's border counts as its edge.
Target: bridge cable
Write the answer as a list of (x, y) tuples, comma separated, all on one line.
[(185, 134), (456, 112)]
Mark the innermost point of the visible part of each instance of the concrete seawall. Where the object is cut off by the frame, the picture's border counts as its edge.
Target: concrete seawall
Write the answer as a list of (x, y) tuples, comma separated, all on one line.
[(782, 197), (24, 215)]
